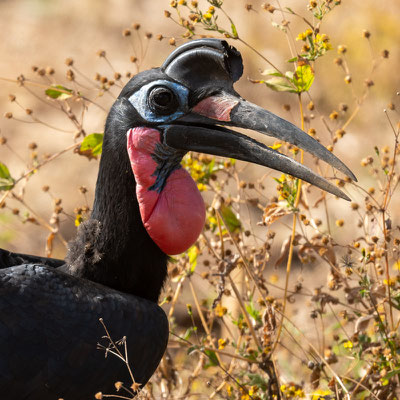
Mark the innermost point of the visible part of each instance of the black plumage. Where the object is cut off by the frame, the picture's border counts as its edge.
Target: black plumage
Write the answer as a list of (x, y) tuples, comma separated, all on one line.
[(50, 326)]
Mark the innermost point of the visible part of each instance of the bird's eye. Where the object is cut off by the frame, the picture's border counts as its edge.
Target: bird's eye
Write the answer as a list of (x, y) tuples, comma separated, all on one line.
[(162, 100)]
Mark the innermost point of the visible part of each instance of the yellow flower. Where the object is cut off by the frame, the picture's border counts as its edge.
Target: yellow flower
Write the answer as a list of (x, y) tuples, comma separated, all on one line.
[(304, 35), (274, 278), (78, 219), (282, 178), (220, 311), (207, 16), (348, 345), (396, 266), (324, 37), (391, 282), (222, 343), (276, 146), (320, 394), (301, 36), (283, 195), (202, 187), (253, 390), (326, 46)]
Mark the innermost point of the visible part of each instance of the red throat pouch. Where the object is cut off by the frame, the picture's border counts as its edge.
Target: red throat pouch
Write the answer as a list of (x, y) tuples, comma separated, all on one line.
[(173, 217)]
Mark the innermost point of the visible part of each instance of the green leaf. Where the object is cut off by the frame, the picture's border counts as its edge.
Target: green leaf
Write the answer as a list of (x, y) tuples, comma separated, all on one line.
[(294, 59), (303, 78), (280, 85), (281, 27), (193, 252), (59, 92), (212, 357), (232, 222), (211, 166), (253, 312), (192, 349), (271, 72), (6, 181), (188, 333), (392, 373), (257, 380), (92, 145), (234, 30), (289, 75)]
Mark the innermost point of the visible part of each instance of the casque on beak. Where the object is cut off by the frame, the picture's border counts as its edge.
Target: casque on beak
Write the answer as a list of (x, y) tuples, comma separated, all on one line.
[(216, 105)]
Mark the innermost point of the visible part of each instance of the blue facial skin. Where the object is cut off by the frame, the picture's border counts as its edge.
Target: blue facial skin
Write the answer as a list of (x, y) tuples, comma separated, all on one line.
[(167, 158), (139, 101)]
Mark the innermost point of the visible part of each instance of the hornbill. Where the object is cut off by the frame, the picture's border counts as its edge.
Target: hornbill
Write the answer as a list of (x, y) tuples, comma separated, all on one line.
[(146, 207)]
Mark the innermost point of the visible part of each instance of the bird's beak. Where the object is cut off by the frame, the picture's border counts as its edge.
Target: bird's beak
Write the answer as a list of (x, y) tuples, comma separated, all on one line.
[(200, 131)]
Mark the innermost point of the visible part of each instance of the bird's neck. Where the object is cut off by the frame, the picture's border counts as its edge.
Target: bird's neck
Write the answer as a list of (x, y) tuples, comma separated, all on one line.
[(113, 247)]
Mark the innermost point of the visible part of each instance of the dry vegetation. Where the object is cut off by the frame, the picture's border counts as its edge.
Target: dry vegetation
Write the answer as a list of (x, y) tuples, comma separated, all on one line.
[(289, 293)]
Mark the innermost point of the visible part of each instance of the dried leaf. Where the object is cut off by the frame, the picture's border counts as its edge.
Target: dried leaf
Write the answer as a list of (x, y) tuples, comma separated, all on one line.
[(319, 200), (314, 378), (273, 212), (284, 252), (49, 244), (362, 323)]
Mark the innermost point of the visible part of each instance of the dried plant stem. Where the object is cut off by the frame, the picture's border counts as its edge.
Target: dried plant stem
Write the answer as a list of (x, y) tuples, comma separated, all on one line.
[(42, 85), (385, 234), (115, 396), (32, 170), (42, 221), (54, 156), (244, 311), (204, 323), (246, 265), (260, 55), (315, 350), (358, 385), (231, 367), (291, 245), (118, 353), (234, 287), (352, 116), (175, 298), (218, 351)]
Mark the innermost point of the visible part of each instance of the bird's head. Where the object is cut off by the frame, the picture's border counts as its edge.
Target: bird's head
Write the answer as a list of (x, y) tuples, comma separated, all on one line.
[(186, 105)]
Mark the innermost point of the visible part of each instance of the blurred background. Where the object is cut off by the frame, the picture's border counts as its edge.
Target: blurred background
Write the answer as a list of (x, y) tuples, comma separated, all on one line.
[(40, 35)]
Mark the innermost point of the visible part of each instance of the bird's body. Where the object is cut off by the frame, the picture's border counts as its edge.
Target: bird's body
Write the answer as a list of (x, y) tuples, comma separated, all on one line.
[(46, 360), (146, 206)]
